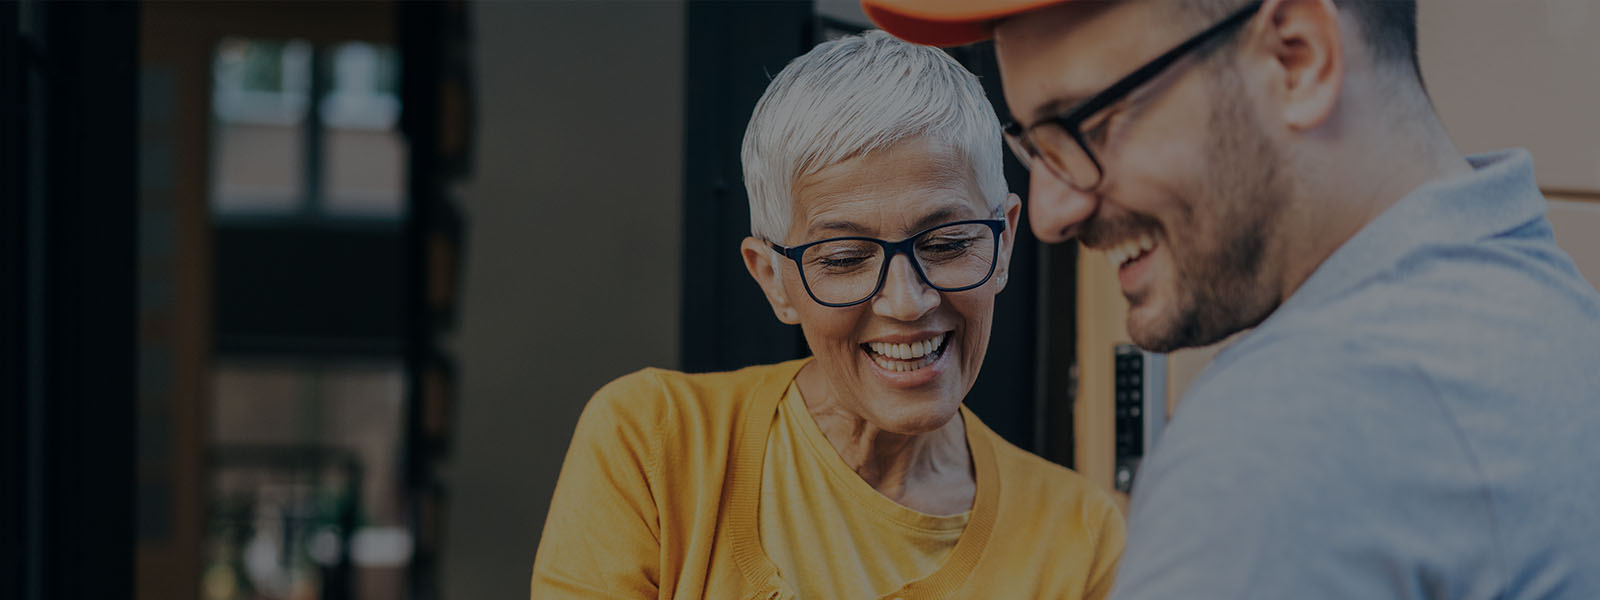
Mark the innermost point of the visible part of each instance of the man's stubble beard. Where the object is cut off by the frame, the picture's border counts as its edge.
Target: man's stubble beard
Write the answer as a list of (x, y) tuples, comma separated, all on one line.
[(1223, 287)]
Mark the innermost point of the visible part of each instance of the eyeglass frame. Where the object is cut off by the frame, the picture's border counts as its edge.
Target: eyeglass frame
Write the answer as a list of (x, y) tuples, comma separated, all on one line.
[(1071, 119), (996, 227)]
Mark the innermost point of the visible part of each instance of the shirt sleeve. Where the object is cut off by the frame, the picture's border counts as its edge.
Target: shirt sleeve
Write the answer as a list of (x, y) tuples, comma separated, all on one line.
[(601, 537), (1344, 479)]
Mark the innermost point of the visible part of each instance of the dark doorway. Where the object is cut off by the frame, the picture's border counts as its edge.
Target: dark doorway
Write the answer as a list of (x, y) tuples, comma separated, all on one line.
[(68, 116)]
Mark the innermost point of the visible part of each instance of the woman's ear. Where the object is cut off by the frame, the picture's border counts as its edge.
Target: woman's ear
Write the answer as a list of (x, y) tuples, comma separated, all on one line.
[(1013, 213), (759, 260)]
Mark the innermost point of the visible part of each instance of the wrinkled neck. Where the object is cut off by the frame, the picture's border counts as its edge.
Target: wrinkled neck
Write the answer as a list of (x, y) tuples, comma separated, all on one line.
[(929, 471)]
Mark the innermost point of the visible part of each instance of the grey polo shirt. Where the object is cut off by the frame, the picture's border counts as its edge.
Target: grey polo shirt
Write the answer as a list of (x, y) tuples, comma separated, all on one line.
[(1421, 419)]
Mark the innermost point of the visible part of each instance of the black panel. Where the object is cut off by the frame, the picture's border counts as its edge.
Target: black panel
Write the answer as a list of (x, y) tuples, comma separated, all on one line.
[(1057, 361), (732, 49), (13, 386), (432, 38), (70, 100), (1129, 403), (310, 290)]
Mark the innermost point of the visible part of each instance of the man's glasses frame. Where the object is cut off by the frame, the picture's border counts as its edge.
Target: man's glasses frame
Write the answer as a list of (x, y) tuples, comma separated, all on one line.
[(890, 249), (1021, 140)]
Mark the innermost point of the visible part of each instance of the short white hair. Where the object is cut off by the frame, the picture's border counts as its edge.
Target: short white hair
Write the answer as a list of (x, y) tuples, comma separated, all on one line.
[(850, 96)]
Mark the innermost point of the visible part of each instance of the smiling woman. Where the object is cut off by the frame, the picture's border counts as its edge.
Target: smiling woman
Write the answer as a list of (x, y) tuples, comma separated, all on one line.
[(882, 227), (896, 192)]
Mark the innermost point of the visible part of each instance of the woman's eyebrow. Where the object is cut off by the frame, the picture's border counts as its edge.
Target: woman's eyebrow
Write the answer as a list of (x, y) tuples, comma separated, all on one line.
[(841, 226), (949, 212), (942, 215)]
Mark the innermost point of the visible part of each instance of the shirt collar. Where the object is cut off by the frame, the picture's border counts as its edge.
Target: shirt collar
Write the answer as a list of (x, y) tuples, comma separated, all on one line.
[(1500, 195)]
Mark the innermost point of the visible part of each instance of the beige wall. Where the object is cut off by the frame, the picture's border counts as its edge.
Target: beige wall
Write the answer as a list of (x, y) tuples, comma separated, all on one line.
[(1576, 220), (572, 259), (1525, 73), (1519, 73)]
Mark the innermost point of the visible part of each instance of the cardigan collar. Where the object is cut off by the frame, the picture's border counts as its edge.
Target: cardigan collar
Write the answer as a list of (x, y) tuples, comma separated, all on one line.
[(742, 488)]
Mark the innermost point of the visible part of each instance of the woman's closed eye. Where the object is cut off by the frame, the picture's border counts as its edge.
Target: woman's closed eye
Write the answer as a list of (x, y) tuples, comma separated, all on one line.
[(843, 262), (945, 248)]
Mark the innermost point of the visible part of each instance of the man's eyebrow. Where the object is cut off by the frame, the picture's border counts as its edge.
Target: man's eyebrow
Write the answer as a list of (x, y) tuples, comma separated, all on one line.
[(1055, 108)]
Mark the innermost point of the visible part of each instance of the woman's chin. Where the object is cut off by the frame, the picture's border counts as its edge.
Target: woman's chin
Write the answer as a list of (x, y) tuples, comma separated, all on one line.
[(919, 420), (911, 402)]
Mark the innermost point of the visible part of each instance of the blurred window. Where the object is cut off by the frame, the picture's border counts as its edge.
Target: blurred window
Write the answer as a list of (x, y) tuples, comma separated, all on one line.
[(306, 496), (364, 155), (306, 132), (260, 101)]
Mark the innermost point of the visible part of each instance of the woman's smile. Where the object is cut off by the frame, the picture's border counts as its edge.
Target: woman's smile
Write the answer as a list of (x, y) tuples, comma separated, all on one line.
[(908, 364)]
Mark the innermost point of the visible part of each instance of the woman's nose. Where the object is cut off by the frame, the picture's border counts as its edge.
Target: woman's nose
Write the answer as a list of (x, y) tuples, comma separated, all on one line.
[(904, 297), (1056, 210)]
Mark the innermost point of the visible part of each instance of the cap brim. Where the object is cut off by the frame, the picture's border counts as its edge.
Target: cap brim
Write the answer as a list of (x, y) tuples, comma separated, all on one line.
[(945, 22)]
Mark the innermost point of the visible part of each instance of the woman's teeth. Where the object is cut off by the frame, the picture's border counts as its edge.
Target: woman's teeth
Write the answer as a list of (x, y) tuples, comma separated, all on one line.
[(1129, 250), (906, 357)]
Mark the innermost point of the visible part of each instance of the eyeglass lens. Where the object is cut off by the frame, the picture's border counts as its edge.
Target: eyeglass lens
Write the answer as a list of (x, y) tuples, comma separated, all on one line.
[(1062, 154), (952, 257)]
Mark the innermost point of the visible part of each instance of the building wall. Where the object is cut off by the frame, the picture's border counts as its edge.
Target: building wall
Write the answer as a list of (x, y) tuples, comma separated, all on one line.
[(1519, 74), (573, 247)]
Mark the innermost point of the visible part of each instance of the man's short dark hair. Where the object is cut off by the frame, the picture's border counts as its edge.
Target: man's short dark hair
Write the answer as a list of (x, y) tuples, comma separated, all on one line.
[(1388, 26)]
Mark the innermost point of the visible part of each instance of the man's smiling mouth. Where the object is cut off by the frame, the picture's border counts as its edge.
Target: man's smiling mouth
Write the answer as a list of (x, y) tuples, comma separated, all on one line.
[(1129, 250)]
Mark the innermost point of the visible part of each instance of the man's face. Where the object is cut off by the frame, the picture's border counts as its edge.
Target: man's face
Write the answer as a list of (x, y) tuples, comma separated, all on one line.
[(1192, 190)]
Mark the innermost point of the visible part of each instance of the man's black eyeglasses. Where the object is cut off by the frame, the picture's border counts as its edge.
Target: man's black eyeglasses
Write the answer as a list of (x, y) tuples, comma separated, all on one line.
[(1060, 143)]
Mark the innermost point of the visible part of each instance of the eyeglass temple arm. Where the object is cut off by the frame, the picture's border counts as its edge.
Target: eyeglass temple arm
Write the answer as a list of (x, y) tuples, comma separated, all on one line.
[(1123, 86)]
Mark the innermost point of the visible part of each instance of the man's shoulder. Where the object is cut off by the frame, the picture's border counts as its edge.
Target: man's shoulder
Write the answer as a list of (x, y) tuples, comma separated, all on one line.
[(1292, 412), (1291, 441), (1276, 370), (1517, 286), (1495, 316)]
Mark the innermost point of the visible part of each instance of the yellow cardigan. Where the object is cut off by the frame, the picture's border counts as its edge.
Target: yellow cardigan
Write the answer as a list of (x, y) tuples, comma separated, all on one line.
[(658, 498)]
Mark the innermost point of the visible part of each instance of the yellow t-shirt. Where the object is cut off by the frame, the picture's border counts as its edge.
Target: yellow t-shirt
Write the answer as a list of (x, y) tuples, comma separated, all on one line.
[(829, 533), (660, 490)]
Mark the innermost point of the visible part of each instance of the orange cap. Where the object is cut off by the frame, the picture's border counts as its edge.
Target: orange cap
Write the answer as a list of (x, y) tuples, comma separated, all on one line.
[(945, 22)]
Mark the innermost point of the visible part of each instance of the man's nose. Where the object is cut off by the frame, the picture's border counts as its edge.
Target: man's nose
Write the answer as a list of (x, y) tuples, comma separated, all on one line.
[(1056, 210), (904, 297)]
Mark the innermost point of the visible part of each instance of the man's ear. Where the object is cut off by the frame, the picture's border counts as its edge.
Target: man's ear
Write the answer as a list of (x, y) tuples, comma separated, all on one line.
[(1304, 46), (1013, 212), (759, 260)]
